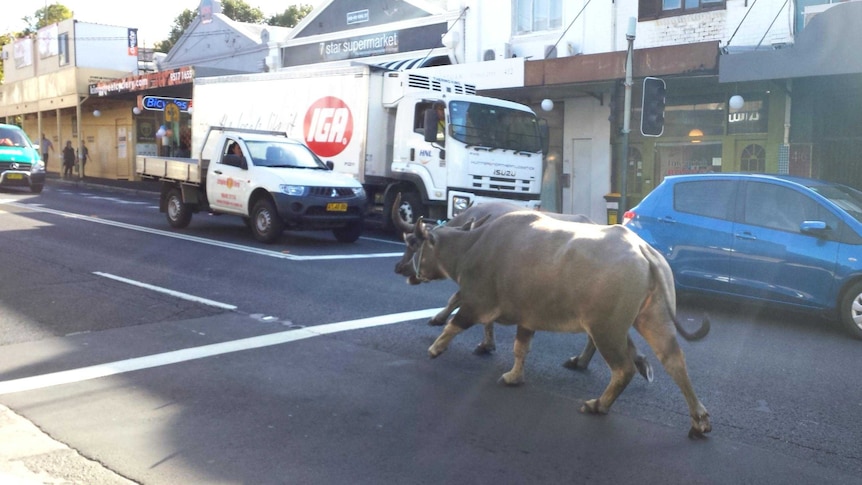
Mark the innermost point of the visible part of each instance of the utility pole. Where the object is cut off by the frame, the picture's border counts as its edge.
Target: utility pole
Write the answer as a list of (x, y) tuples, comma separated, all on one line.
[(627, 118)]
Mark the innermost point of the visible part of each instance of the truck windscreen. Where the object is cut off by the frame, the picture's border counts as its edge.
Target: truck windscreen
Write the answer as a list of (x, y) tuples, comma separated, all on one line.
[(494, 126)]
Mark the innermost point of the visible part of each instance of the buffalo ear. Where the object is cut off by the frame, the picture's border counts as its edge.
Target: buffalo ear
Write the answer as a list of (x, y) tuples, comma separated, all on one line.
[(422, 232)]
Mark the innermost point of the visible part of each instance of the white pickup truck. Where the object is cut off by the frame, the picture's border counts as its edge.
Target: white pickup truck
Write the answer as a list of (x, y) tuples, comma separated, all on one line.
[(276, 183)]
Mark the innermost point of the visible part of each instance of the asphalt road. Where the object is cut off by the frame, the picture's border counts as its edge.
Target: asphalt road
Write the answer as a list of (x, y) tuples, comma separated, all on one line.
[(201, 356)]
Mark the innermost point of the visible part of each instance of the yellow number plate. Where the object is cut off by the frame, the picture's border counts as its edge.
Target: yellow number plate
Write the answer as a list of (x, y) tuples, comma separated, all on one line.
[(336, 207), (17, 176)]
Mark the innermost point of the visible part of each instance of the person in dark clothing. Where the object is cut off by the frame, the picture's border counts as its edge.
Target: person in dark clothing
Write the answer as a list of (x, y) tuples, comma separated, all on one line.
[(84, 155), (68, 160)]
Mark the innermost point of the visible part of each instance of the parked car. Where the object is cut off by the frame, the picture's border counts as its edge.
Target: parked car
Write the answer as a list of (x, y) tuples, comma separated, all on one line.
[(20, 163), (783, 240)]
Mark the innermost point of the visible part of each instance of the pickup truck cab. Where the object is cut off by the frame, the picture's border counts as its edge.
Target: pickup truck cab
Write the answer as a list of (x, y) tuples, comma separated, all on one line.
[(20, 163), (271, 181)]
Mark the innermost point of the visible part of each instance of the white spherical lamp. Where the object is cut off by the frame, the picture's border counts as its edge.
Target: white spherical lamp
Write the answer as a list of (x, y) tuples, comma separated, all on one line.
[(136, 110), (736, 102), (547, 104), (97, 113)]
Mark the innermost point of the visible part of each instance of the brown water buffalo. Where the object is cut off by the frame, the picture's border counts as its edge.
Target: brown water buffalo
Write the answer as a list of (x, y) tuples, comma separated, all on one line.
[(493, 210), (530, 270)]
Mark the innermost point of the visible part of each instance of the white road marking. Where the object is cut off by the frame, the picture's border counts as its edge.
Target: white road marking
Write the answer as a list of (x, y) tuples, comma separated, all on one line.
[(184, 296), (112, 368), (201, 240)]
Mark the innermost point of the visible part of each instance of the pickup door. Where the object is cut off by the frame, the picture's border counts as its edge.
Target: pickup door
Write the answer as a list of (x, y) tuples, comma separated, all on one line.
[(228, 185)]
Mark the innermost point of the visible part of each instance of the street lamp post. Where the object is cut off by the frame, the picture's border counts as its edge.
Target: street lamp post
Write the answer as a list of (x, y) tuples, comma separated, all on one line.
[(627, 115)]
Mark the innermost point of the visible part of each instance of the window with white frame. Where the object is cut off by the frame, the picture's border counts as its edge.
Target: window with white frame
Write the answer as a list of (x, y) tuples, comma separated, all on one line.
[(538, 15)]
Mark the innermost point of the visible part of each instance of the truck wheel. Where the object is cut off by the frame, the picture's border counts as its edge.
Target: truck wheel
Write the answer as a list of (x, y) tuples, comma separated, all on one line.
[(36, 188), (411, 208), (851, 310), (178, 213), (349, 233), (266, 224)]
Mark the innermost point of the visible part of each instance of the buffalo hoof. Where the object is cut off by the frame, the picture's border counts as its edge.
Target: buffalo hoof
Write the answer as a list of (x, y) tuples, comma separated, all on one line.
[(510, 380), (436, 323), (644, 368), (699, 427), (574, 364), (592, 407), (434, 352), (484, 349)]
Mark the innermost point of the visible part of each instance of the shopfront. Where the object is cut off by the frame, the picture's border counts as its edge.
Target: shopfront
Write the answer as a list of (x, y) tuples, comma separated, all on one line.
[(703, 134)]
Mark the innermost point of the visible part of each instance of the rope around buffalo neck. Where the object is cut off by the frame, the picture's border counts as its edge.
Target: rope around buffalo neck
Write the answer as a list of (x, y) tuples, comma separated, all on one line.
[(418, 261)]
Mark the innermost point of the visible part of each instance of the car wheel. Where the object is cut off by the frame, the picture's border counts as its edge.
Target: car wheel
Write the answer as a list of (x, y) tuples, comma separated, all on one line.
[(178, 212), (36, 188), (851, 310), (349, 233), (266, 224)]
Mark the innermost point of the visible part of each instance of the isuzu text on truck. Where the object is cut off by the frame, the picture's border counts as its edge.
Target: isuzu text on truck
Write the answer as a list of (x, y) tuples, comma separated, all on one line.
[(381, 128), (271, 181)]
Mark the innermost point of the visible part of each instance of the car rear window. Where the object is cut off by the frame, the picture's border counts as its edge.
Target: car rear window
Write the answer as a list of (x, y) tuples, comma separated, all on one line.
[(708, 198)]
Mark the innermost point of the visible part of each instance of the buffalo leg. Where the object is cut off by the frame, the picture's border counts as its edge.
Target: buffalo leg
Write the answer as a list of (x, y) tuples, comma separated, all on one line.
[(615, 351), (440, 318), (515, 377), (582, 361), (662, 338), (487, 345), (457, 324)]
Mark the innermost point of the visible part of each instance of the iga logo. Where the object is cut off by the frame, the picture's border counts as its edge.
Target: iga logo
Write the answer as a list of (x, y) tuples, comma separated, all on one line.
[(328, 126)]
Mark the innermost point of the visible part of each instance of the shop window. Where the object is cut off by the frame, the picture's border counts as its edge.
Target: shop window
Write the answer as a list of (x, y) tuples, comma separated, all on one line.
[(751, 118), (753, 159), (681, 117), (538, 15), (63, 48), (653, 9)]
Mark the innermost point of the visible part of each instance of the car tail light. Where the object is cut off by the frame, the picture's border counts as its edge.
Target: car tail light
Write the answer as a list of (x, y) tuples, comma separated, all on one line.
[(628, 216)]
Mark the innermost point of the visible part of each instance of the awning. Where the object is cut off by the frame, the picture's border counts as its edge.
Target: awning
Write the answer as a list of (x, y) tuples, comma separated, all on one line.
[(405, 64), (828, 45)]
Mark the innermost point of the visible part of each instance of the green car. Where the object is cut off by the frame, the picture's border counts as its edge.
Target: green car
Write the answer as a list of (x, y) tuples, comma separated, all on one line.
[(20, 163)]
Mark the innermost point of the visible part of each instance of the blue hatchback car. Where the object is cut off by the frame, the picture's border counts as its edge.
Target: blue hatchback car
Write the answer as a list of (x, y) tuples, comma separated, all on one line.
[(784, 240)]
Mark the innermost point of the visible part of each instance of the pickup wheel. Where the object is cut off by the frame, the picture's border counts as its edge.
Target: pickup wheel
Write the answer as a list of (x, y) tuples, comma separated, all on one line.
[(178, 213), (349, 233), (266, 224), (36, 189)]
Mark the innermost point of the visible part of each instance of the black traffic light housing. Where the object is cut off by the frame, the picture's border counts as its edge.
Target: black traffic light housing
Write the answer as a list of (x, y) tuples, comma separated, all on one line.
[(652, 106)]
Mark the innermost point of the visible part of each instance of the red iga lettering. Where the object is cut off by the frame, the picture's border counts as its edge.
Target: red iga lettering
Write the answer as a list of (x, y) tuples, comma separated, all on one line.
[(328, 126)]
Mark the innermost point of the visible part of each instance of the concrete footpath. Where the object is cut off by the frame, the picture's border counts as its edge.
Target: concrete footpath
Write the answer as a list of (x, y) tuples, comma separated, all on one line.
[(30, 457)]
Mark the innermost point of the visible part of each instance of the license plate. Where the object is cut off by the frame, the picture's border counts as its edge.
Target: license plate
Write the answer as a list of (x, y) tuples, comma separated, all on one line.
[(336, 207), (14, 176)]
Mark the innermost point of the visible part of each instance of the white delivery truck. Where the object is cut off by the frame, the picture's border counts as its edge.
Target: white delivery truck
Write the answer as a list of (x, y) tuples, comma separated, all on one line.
[(271, 181), (380, 127)]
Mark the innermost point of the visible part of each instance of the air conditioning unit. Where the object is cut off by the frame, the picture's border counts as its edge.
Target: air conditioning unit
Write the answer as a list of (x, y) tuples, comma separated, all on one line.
[(503, 51)]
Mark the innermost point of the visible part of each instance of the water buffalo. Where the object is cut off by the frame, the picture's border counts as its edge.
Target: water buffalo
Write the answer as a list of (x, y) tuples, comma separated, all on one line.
[(527, 269), (404, 267)]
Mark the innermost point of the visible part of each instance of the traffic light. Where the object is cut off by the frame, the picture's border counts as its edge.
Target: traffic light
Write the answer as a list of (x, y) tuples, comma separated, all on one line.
[(652, 107)]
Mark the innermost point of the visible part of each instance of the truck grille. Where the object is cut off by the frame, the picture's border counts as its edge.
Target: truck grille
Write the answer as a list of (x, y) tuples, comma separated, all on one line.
[(332, 192), (500, 183)]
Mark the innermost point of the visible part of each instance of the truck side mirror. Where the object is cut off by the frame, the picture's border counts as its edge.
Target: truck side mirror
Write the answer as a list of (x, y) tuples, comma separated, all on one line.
[(431, 121), (330, 165)]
